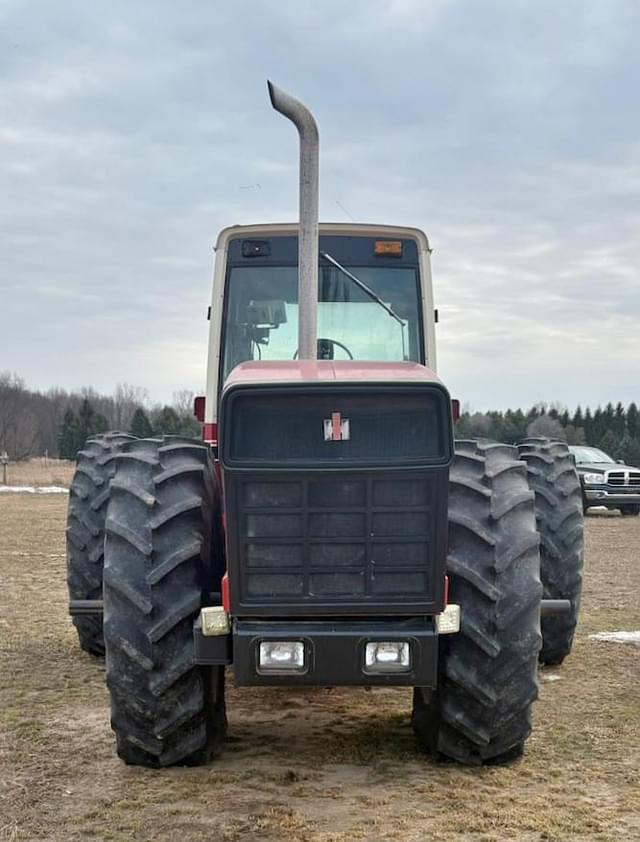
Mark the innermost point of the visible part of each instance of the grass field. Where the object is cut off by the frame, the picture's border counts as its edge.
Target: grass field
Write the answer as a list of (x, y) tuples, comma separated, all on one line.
[(315, 765), (40, 471)]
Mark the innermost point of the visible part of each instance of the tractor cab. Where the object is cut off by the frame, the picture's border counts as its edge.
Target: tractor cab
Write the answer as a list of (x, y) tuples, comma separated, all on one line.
[(374, 298)]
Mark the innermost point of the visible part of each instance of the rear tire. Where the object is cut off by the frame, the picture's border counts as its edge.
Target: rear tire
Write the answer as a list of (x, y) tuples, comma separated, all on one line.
[(88, 497), (480, 711), (158, 565), (555, 482)]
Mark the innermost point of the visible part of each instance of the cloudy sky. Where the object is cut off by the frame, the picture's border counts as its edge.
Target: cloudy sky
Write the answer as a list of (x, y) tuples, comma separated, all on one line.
[(130, 133)]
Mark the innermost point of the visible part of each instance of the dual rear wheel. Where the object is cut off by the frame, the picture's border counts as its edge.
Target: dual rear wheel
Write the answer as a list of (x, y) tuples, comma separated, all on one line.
[(515, 534)]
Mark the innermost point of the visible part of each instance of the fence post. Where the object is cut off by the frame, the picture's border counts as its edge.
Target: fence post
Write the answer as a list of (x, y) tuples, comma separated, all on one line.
[(4, 460)]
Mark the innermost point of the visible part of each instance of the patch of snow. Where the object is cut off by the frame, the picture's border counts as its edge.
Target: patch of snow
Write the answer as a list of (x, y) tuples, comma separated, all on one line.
[(33, 489), (550, 676), (632, 637)]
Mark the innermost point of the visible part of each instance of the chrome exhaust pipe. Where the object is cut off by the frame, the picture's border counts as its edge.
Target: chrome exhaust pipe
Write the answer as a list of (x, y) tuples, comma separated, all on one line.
[(304, 121)]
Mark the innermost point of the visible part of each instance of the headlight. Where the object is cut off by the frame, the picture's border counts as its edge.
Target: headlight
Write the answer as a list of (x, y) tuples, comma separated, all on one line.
[(593, 479), (387, 656), (281, 656)]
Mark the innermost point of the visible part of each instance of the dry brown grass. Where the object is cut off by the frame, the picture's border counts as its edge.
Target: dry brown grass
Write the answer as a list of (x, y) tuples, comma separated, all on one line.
[(40, 471), (313, 765)]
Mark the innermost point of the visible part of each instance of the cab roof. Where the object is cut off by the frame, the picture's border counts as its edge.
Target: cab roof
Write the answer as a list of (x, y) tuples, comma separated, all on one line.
[(346, 229)]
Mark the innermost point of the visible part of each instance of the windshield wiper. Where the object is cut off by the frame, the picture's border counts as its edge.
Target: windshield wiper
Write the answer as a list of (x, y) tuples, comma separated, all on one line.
[(372, 295)]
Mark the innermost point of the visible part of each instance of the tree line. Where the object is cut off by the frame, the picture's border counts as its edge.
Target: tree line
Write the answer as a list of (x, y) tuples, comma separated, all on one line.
[(614, 428), (57, 422)]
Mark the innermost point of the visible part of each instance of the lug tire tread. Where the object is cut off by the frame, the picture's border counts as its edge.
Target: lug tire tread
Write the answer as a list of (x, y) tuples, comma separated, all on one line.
[(88, 497), (559, 515), (480, 711), (164, 709)]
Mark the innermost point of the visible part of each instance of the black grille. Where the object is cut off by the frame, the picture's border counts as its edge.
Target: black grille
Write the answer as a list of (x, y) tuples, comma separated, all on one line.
[(327, 518), (345, 543), (385, 427)]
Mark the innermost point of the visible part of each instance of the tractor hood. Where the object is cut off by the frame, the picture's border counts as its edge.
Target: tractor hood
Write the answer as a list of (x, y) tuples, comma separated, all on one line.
[(271, 372)]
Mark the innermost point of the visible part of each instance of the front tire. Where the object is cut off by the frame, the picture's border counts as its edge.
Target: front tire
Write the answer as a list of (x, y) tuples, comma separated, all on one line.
[(555, 482), (480, 711), (630, 511), (164, 710)]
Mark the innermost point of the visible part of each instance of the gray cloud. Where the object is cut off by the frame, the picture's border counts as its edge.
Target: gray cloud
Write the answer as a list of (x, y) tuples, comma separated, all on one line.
[(507, 130)]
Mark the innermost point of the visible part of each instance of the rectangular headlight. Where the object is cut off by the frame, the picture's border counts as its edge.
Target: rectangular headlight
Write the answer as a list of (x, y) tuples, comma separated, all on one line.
[(387, 656), (281, 656)]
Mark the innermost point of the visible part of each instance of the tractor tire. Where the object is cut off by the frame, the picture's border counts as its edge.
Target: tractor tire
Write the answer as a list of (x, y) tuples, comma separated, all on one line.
[(480, 711), (88, 497), (165, 710), (560, 518)]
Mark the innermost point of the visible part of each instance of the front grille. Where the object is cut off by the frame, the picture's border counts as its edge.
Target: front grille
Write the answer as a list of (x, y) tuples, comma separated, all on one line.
[(343, 543), (616, 478), (336, 497), (626, 480)]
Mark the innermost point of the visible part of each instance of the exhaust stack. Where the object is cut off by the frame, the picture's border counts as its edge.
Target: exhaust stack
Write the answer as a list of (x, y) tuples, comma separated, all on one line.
[(304, 121)]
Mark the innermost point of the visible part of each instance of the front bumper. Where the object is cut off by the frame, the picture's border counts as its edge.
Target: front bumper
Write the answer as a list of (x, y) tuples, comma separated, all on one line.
[(334, 650), (601, 496)]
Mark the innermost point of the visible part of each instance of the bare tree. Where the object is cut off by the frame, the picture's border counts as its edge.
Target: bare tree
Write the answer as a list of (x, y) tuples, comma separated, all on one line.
[(477, 426), (126, 399), (183, 402), (548, 427), (19, 427)]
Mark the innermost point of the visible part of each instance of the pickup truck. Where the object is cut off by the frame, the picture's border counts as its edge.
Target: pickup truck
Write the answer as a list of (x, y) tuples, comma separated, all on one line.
[(606, 482)]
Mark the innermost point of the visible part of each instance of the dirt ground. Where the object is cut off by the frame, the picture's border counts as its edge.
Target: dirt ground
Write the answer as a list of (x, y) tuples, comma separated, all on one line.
[(316, 765)]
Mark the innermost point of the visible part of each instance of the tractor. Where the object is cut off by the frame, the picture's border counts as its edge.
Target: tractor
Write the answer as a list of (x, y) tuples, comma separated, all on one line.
[(328, 530)]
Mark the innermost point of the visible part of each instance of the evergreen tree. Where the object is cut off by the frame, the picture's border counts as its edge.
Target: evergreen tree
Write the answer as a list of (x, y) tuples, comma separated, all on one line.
[(167, 422), (598, 426), (619, 421), (633, 422), (190, 426), (608, 417), (588, 427), (140, 424), (610, 444), (68, 435), (89, 423), (630, 451)]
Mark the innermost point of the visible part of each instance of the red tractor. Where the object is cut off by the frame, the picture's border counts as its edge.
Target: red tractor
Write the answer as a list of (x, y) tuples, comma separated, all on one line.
[(328, 530)]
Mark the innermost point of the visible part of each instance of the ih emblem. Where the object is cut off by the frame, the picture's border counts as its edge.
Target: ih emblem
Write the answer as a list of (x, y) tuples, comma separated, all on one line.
[(336, 428)]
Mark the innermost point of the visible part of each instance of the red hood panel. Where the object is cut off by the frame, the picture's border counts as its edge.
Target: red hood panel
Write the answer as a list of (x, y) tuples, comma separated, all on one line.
[(323, 371)]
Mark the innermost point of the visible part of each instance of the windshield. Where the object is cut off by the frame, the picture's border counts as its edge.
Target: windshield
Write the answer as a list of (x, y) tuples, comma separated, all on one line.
[(261, 320), (590, 454)]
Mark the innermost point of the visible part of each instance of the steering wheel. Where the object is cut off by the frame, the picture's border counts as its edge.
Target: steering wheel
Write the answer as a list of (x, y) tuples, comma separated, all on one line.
[(325, 349)]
